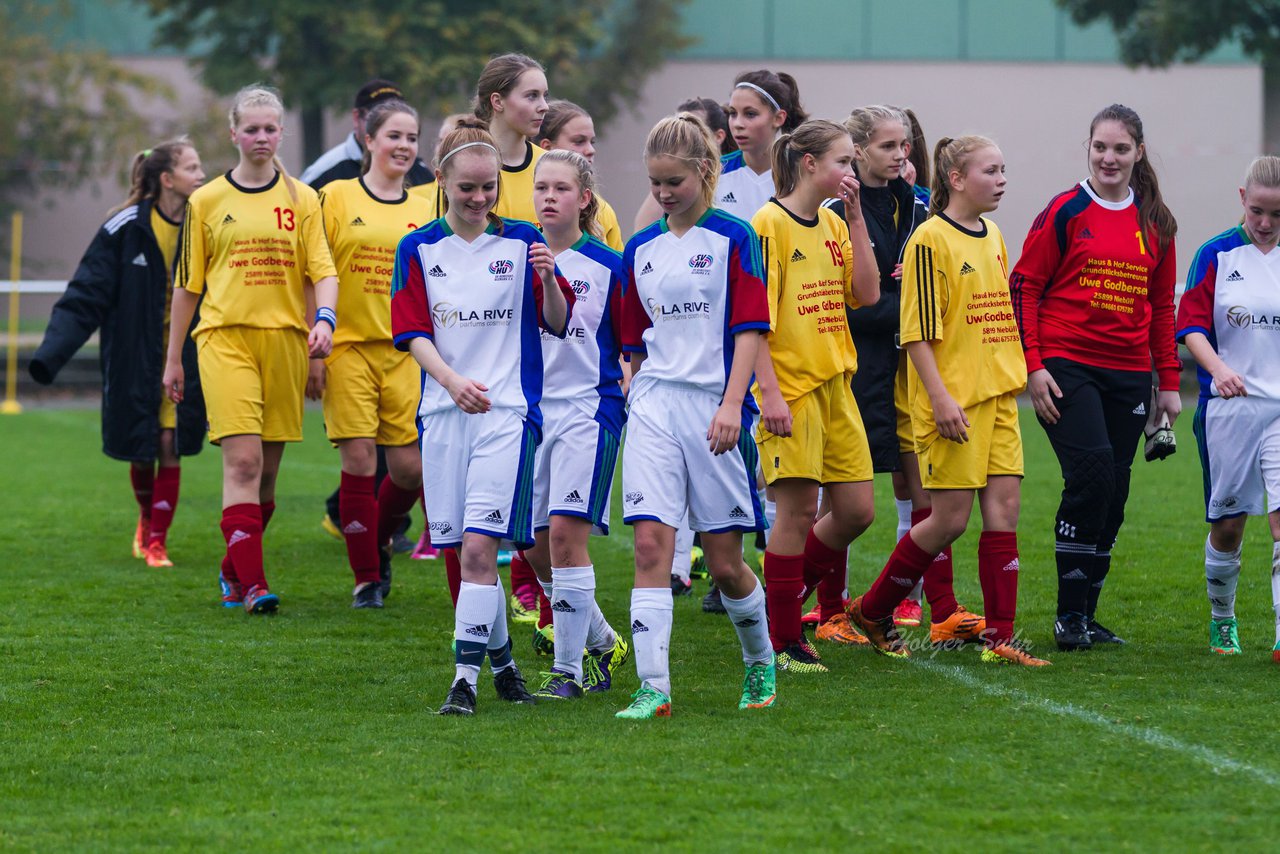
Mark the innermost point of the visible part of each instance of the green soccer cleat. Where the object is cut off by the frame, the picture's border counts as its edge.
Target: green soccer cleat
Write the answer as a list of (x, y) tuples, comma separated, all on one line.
[(544, 640), (1224, 636), (600, 665), (646, 703), (759, 687), (698, 563)]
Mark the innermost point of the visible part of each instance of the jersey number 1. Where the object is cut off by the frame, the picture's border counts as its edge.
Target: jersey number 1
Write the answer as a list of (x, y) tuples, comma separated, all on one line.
[(284, 219)]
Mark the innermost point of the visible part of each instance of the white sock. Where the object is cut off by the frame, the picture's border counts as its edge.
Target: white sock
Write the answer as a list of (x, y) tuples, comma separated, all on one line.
[(546, 590), (1221, 573), (749, 621), (770, 516), (916, 594), (499, 638), (571, 603), (1275, 586), (904, 515), (600, 635), (651, 612), (681, 560), (473, 626)]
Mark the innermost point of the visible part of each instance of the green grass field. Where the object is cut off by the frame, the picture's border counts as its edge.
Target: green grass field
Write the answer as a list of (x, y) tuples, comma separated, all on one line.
[(137, 713)]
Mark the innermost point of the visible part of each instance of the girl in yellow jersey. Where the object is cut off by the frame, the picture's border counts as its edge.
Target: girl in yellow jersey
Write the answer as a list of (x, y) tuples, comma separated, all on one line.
[(370, 389), (811, 433), (958, 328), (511, 95), (568, 127), (252, 243)]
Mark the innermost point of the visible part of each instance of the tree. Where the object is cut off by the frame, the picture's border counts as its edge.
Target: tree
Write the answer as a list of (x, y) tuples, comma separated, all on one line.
[(318, 52), (1157, 33)]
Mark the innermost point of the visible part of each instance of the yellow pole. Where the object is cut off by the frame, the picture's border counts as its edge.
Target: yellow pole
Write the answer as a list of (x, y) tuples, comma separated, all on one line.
[(10, 406)]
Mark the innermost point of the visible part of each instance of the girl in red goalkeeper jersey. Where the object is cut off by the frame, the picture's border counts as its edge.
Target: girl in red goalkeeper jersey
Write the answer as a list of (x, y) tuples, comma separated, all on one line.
[(1093, 297)]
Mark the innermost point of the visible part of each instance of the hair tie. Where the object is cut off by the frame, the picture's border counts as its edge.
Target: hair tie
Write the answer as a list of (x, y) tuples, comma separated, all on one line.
[(146, 153), (745, 85), (466, 145)]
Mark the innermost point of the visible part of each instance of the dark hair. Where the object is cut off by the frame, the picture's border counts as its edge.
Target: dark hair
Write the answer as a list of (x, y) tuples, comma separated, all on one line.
[(951, 155), (376, 118), (500, 76), (559, 113), (587, 217), (1152, 211), (713, 114), (376, 91), (814, 137), (457, 137), (919, 155), (784, 91), (148, 166)]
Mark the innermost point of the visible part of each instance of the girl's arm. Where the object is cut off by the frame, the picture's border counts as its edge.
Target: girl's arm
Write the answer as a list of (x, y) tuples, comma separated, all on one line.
[(320, 341), (181, 310), (774, 412), (555, 307), (1163, 345), (947, 414), (468, 394), (726, 425), (1226, 381)]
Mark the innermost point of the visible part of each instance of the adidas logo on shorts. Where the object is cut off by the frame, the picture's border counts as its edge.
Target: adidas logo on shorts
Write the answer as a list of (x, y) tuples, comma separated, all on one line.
[(563, 607), (1140, 409), (236, 537), (966, 269), (1235, 276), (648, 268), (228, 219), (357, 221), (797, 255), (573, 498), (435, 271), (495, 516), (1075, 575), (737, 513), (354, 527), (141, 261), (730, 199), (747, 623), (637, 627), (481, 631)]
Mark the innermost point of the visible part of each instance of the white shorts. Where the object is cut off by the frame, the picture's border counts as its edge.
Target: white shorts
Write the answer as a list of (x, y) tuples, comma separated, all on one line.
[(477, 476), (1240, 453), (573, 469), (667, 465)]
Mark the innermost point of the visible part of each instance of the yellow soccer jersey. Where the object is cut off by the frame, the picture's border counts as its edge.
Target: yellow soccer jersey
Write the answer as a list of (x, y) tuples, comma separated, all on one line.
[(955, 293), (432, 194), (515, 187), (250, 252), (809, 266), (166, 233), (363, 233), (610, 231)]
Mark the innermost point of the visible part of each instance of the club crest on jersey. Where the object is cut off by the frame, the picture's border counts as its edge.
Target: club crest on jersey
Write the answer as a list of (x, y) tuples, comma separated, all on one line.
[(581, 288), (701, 264), (502, 271)]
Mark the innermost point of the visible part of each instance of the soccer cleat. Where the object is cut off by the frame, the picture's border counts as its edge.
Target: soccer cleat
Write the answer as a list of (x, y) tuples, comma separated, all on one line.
[(961, 627), (1224, 636), (384, 570), (461, 699), (232, 593), (646, 703), (558, 685), (544, 640), (697, 563), (156, 554), (1012, 653), (260, 600), (509, 683), (812, 618), (367, 595), (424, 550), (600, 665), (140, 536), (524, 604), (810, 649), (1100, 634), (759, 686), (908, 613), (330, 527), (881, 634), (1072, 633), (401, 545), (711, 603), (840, 630), (680, 587), (795, 659)]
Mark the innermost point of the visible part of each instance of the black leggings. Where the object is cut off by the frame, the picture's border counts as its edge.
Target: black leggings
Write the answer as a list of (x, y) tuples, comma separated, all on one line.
[(1102, 414)]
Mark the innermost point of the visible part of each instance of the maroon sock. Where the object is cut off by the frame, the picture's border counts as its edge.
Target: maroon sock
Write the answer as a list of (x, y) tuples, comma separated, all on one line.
[(242, 528), (939, 578), (544, 609), (453, 573), (830, 567), (143, 480), (359, 518), (165, 502), (393, 504), (268, 510), (783, 587), (522, 575), (998, 572), (905, 567)]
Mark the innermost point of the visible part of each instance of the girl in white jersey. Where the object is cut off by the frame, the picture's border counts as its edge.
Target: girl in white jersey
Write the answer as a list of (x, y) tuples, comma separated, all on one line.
[(469, 293), (693, 312), (763, 104)]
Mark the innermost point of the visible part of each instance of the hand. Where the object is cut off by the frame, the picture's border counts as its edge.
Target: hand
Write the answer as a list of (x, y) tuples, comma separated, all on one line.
[(543, 262), (725, 428), (950, 418), (908, 173), (1168, 406), (849, 194), (775, 414), (1043, 390), (320, 341), (315, 379), (1228, 383), (172, 383), (468, 394), (897, 271)]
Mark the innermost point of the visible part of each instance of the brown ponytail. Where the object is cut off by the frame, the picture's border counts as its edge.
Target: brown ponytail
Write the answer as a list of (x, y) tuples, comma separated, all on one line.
[(1153, 213), (784, 91), (951, 155), (148, 166), (814, 138)]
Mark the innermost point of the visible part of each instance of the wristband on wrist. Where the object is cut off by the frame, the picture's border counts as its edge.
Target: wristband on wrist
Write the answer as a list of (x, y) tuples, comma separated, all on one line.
[(328, 316)]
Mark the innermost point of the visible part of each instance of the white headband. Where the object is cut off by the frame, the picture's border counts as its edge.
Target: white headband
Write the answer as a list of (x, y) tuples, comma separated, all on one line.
[(466, 145), (767, 96)]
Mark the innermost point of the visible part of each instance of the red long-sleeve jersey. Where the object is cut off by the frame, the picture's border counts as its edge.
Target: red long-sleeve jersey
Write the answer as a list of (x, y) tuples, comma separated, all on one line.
[(1091, 287)]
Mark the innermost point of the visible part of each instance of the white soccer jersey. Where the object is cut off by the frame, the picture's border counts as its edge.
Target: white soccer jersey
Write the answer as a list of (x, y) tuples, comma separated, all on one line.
[(481, 303), (1233, 297), (686, 297), (583, 364), (740, 191)]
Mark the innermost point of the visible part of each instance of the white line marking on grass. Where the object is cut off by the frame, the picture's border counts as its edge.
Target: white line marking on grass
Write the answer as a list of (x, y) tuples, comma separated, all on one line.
[(1219, 762)]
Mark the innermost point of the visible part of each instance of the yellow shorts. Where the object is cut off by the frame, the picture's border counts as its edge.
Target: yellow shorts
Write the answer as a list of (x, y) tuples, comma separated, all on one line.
[(994, 447), (372, 391), (827, 443), (253, 381), (168, 413), (902, 403)]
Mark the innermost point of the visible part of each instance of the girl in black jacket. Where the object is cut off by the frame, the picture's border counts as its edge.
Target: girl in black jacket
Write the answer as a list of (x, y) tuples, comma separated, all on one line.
[(122, 287)]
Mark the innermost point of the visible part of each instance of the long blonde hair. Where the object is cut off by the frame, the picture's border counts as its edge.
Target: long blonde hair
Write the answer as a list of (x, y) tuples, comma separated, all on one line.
[(262, 95), (952, 155), (586, 182), (686, 137)]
